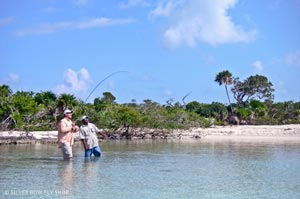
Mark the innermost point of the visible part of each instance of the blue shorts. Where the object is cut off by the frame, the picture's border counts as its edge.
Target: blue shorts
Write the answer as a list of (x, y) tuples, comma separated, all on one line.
[(96, 151)]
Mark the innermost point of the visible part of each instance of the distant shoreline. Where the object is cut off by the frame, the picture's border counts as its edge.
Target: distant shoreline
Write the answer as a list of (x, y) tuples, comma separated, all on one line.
[(272, 133)]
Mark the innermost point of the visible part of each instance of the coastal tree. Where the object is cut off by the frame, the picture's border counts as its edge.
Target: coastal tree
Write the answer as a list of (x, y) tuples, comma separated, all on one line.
[(225, 78), (99, 104), (24, 108), (152, 114), (5, 91), (254, 87), (128, 117), (193, 106), (6, 107), (48, 100), (5, 98), (215, 110), (22, 111), (253, 112), (285, 112), (106, 118), (24, 103), (48, 104), (258, 108), (66, 101), (107, 99), (219, 111)]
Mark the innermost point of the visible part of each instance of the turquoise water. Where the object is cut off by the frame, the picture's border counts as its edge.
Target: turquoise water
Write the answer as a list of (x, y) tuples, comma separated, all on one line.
[(154, 169)]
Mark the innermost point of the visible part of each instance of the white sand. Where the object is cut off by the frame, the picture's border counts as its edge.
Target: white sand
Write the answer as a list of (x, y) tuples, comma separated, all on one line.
[(218, 133), (246, 133), (38, 135)]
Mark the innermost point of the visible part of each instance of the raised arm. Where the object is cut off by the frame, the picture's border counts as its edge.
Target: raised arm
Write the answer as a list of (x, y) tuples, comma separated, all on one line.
[(66, 128), (103, 134)]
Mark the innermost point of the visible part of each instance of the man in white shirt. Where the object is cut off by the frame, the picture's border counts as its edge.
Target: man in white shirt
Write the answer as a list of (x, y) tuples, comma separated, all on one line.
[(88, 135)]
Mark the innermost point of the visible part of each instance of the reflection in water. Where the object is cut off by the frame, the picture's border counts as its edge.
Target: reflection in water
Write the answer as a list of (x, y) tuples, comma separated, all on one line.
[(89, 169), (153, 169), (66, 173), (90, 173)]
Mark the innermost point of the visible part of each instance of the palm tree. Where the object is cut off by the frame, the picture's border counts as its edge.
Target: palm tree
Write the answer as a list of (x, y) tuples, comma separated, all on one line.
[(49, 100), (46, 98), (225, 77), (5, 91), (66, 101)]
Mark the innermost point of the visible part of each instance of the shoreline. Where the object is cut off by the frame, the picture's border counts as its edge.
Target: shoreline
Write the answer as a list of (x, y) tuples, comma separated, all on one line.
[(274, 133)]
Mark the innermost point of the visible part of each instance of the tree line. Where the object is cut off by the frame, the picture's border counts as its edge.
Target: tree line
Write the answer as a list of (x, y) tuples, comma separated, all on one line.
[(29, 111)]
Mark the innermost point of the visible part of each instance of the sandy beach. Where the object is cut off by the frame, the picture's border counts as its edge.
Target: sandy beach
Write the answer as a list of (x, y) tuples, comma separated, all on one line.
[(217, 133), (270, 133)]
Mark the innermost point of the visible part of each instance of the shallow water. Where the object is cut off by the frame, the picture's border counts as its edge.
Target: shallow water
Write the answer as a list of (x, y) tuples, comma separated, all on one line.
[(153, 169)]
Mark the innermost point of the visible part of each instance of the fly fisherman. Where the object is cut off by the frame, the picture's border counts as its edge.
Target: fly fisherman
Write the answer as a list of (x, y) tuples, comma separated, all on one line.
[(66, 128), (88, 135)]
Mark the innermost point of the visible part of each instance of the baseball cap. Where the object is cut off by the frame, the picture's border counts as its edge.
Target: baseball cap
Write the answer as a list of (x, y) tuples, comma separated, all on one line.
[(85, 117), (68, 111)]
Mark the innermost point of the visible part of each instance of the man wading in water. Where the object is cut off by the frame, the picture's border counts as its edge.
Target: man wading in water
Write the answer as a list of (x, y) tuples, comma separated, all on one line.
[(88, 135), (66, 128)]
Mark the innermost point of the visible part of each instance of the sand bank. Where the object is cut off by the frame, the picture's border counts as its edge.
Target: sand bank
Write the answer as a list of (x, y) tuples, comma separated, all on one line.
[(217, 133), (249, 133)]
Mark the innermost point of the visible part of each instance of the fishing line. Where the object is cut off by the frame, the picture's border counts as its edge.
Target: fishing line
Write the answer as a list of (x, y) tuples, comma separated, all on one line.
[(114, 73)]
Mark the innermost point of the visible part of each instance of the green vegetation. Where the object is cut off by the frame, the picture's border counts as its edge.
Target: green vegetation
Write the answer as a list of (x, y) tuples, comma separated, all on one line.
[(40, 111)]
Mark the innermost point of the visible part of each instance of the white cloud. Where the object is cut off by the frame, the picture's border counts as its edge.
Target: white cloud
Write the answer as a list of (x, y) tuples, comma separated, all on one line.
[(163, 9), (84, 73), (6, 21), (167, 92), (74, 81), (275, 4), (11, 78), (258, 65), (81, 2), (51, 10), (205, 21), (293, 59), (14, 77), (69, 25), (133, 3), (147, 78)]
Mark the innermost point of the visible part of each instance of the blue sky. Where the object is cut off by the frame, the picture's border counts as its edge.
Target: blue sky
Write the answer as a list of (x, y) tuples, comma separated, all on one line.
[(169, 48)]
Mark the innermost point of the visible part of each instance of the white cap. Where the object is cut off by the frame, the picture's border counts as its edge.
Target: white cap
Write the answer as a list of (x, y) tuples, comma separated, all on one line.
[(85, 117), (67, 111)]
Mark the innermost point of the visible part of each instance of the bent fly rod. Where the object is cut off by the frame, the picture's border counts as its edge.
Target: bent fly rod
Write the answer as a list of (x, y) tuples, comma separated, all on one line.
[(114, 73)]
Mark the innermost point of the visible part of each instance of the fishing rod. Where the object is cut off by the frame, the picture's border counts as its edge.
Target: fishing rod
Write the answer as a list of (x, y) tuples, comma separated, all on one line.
[(114, 73), (108, 76)]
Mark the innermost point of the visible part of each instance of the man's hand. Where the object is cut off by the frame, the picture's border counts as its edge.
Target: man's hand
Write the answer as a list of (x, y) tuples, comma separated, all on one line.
[(75, 128), (84, 144), (103, 135)]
